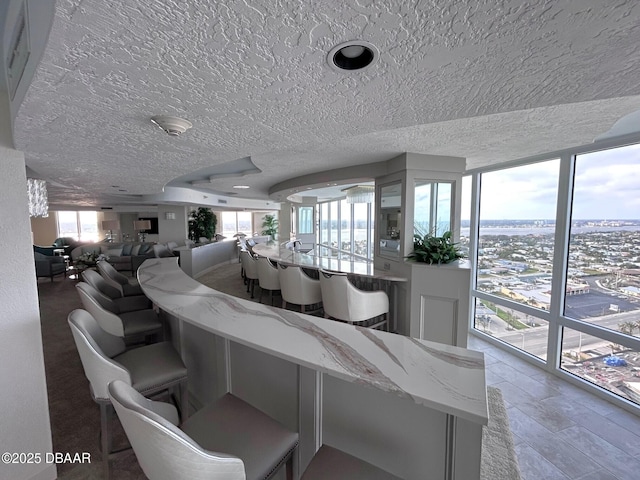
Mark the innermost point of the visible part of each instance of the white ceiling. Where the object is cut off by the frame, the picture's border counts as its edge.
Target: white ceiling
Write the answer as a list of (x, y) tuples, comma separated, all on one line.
[(486, 80)]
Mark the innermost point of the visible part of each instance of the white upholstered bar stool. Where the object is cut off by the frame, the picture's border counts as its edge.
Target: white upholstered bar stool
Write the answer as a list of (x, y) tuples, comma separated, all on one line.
[(228, 439), (331, 463), (150, 369), (112, 294), (268, 277), (127, 325), (127, 286), (298, 288), (343, 301), (250, 267)]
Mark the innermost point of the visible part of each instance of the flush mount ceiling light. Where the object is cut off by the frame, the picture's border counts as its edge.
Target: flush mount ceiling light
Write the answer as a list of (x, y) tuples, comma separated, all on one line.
[(355, 55), (173, 126), (242, 187)]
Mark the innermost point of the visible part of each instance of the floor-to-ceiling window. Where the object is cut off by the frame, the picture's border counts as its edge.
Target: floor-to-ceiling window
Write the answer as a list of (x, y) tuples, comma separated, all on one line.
[(557, 270), (346, 227)]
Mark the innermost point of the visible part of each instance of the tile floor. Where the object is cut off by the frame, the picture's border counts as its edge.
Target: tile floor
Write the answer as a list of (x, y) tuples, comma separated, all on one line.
[(560, 431)]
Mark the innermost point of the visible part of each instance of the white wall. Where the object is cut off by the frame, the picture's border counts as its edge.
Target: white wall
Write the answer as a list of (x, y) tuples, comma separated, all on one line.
[(24, 422), (175, 230)]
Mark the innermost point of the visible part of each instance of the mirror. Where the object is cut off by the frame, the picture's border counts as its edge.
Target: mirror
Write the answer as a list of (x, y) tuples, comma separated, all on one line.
[(390, 228)]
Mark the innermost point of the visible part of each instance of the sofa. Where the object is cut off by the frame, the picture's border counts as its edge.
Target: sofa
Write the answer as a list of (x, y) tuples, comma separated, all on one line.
[(123, 256)]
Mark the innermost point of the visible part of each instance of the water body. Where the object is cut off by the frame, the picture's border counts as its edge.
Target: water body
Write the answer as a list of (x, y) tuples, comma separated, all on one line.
[(519, 231)]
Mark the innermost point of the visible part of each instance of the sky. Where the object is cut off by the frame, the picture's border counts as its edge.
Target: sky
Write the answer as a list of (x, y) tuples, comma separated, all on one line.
[(607, 186)]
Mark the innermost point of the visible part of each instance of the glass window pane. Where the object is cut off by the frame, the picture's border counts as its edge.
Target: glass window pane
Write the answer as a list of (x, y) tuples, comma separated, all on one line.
[(244, 222), (324, 223), (422, 224), (516, 233), (516, 328), (360, 239), (305, 221), (333, 239), (603, 275), (229, 227), (88, 226), (68, 224), (345, 226), (611, 366)]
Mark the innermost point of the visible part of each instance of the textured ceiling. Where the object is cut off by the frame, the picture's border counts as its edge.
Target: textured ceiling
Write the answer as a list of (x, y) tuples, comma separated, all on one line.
[(487, 80)]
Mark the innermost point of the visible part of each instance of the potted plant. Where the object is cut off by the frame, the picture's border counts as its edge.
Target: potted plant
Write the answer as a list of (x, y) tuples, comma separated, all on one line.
[(202, 223), (270, 226), (432, 249)]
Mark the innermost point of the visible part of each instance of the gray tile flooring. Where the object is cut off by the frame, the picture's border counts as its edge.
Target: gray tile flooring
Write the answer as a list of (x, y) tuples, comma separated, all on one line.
[(561, 431)]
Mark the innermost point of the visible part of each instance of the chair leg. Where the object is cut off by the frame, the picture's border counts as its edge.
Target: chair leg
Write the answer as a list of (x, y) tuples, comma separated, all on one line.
[(289, 468), (183, 388), (260, 297), (105, 437)]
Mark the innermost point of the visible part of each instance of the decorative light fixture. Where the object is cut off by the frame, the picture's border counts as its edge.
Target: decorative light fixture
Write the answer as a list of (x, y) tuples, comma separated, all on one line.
[(360, 194), (141, 226), (110, 225), (173, 126), (38, 199), (353, 55)]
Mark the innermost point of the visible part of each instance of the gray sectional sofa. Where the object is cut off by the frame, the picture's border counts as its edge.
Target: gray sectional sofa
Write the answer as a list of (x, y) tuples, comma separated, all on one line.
[(123, 256)]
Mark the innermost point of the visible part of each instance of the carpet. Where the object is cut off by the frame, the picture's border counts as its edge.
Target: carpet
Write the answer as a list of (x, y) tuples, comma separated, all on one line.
[(75, 417), (499, 461)]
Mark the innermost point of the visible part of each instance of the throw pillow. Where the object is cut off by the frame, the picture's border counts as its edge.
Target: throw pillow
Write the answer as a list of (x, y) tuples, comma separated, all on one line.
[(144, 249), (126, 249)]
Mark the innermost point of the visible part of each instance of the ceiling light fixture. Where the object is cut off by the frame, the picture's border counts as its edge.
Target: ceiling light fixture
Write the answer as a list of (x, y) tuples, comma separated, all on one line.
[(241, 186), (173, 126), (352, 56), (360, 193)]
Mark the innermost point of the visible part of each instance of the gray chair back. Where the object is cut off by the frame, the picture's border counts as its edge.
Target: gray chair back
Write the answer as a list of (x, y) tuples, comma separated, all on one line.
[(93, 301), (98, 282)]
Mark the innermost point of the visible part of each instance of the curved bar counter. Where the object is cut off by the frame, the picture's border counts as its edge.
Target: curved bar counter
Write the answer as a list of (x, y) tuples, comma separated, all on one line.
[(407, 405), (309, 260)]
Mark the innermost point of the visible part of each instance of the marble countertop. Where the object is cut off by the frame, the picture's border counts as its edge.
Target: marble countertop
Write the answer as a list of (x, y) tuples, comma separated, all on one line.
[(446, 378), (309, 260)]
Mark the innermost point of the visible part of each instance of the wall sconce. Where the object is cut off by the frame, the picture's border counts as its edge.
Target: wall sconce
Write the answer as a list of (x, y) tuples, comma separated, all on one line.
[(170, 216), (141, 226), (38, 200), (110, 225)]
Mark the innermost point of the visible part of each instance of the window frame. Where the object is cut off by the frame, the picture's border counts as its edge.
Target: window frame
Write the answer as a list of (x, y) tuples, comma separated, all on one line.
[(555, 316)]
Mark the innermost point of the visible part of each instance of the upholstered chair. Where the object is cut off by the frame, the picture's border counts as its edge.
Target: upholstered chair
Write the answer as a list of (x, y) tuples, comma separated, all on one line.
[(49, 266), (127, 286), (150, 370), (268, 277), (228, 439), (250, 267), (298, 288), (343, 301), (127, 325), (114, 296)]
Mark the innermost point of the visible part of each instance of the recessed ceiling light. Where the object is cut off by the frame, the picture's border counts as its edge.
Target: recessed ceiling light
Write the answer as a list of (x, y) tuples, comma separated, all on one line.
[(352, 56), (241, 186)]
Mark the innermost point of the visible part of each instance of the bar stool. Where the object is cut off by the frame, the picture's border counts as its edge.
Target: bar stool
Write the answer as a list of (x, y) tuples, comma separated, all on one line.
[(298, 288), (250, 266), (150, 369), (268, 277), (345, 302), (111, 294), (228, 439), (127, 286), (126, 325)]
